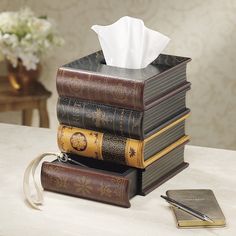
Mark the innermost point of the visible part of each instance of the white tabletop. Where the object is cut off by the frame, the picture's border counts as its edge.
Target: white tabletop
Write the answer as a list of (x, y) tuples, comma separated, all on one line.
[(64, 215)]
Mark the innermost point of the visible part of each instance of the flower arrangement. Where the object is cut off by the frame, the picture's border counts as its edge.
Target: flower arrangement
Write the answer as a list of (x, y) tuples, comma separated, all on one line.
[(25, 37)]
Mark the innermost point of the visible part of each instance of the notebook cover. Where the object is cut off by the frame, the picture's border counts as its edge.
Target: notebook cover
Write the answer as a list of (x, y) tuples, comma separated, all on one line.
[(102, 185), (89, 78), (202, 200), (104, 146)]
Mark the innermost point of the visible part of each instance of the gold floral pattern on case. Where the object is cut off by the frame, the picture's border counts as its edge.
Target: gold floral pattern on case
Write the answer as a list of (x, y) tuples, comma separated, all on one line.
[(76, 111), (132, 152), (99, 118), (78, 141), (83, 185), (118, 191), (105, 190), (61, 183), (58, 183), (135, 122), (95, 136)]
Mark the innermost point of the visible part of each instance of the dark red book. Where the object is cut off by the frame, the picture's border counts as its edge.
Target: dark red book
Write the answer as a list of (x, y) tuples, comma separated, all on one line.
[(89, 78), (99, 181), (108, 182)]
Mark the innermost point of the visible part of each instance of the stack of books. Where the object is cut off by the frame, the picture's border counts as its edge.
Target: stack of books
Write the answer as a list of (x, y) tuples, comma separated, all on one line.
[(123, 129)]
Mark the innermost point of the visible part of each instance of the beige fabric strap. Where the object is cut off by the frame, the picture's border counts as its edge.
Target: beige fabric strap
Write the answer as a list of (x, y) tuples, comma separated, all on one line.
[(34, 202)]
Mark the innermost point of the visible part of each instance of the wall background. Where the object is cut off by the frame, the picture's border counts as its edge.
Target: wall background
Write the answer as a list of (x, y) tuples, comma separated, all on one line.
[(204, 30)]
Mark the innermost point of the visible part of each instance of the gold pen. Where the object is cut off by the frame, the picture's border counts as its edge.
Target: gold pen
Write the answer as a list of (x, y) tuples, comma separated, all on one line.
[(187, 209)]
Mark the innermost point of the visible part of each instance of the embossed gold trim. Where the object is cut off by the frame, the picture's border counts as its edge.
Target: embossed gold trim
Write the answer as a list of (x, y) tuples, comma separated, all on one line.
[(203, 224), (167, 127), (93, 141), (134, 149), (165, 151)]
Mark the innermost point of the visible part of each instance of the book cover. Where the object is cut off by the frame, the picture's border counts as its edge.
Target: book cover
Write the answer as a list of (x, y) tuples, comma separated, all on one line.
[(119, 121), (89, 78), (152, 176), (106, 181), (100, 182), (131, 152)]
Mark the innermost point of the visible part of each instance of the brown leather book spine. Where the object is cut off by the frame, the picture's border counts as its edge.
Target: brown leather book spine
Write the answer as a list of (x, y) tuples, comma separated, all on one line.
[(104, 90), (85, 183)]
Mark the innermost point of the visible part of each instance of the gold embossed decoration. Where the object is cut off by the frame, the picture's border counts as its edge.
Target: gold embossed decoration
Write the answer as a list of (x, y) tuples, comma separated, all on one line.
[(132, 152), (78, 141), (99, 118), (124, 150), (59, 183), (83, 185), (118, 191), (105, 190)]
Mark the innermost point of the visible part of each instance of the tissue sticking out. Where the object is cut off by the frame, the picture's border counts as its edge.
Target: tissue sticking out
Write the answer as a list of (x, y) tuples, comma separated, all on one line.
[(128, 43)]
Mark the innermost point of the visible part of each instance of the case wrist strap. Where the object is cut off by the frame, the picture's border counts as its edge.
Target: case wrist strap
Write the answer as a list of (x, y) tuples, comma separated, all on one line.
[(35, 201)]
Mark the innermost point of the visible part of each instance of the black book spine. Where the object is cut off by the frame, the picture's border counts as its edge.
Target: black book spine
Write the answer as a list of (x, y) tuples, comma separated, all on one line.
[(117, 121)]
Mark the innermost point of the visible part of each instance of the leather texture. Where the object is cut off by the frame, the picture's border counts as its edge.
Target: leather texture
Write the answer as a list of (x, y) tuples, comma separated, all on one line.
[(89, 78), (104, 146), (119, 121), (85, 183), (83, 114)]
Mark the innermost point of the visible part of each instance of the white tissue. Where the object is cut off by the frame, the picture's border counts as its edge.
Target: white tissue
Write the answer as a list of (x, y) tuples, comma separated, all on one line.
[(128, 43)]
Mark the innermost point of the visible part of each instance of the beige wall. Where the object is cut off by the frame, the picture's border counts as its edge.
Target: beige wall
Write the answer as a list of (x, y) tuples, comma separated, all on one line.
[(201, 29)]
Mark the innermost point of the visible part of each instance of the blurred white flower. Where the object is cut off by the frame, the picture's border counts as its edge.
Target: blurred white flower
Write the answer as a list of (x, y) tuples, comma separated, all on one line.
[(25, 37)]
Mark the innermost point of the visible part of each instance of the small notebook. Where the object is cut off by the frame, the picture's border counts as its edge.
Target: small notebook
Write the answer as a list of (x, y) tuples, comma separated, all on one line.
[(202, 200)]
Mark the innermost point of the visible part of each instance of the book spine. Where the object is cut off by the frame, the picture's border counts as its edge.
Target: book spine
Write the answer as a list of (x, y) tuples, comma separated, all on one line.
[(102, 146), (85, 183), (104, 90), (117, 121)]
